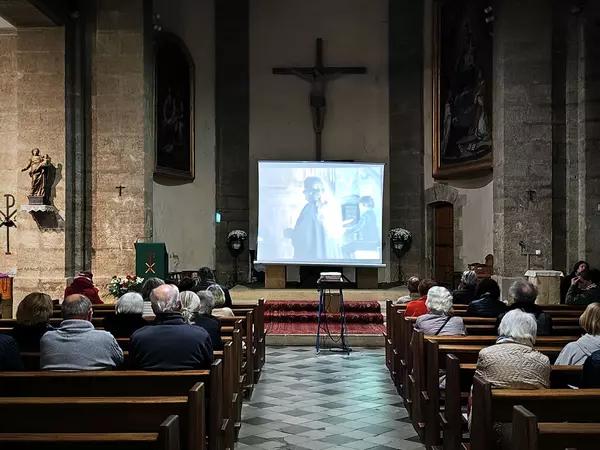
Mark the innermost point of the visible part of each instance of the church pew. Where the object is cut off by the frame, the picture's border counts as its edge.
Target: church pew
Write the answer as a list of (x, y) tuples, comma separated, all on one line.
[(557, 308), (121, 384), (549, 405), (100, 415), (530, 434), (459, 378), (167, 438)]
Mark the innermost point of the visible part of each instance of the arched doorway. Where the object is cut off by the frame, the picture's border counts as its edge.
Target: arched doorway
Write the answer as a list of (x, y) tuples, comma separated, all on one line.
[(443, 243)]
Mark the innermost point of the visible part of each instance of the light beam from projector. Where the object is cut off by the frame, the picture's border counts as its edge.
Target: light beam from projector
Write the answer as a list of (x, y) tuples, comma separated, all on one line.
[(320, 213)]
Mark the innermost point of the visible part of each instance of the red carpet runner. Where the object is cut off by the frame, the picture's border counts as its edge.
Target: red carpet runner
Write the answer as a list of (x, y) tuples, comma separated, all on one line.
[(300, 317)]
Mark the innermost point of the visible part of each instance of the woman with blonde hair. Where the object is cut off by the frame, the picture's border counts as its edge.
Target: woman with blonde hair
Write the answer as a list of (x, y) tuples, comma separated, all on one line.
[(33, 315), (189, 305), (575, 353)]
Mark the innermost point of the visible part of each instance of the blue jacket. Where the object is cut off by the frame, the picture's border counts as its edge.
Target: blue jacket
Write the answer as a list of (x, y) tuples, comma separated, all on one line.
[(171, 344)]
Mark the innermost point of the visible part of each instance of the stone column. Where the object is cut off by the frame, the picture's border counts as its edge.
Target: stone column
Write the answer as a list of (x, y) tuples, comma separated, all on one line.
[(232, 108), (122, 154), (522, 135), (406, 128)]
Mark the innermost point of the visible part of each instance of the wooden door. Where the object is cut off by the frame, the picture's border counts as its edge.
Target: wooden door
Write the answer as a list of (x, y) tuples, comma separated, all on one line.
[(443, 242)]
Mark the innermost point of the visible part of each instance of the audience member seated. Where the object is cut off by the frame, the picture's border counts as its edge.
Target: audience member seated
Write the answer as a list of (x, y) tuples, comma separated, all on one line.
[(10, 358), (76, 344), (206, 279), (205, 319), (417, 308), (218, 295), (187, 284), (524, 294), (465, 293), (590, 375), (170, 343), (439, 321), (33, 315), (128, 318), (566, 282), (489, 303), (83, 284), (576, 353), (413, 290), (189, 306), (148, 286), (513, 363), (585, 288)]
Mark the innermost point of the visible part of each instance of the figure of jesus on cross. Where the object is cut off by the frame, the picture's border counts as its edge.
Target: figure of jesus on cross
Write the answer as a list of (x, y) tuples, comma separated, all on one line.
[(318, 77)]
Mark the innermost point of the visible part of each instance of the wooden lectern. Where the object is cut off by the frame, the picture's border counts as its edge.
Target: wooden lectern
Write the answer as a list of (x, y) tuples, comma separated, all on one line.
[(151, 260)]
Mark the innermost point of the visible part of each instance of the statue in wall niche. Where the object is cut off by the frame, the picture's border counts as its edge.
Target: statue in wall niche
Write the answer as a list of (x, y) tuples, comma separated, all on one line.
[(39, 167)]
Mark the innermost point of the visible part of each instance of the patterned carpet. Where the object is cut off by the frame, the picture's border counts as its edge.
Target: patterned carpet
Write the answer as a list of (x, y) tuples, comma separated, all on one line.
[(327, 401)]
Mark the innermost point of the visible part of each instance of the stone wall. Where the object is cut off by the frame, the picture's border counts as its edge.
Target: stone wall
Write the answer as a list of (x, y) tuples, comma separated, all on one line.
[(191, 204), (119, 152), (33, 116)]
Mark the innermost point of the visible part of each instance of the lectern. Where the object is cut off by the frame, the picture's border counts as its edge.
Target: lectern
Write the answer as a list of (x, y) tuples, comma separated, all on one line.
[(327, 282), (151, 260)]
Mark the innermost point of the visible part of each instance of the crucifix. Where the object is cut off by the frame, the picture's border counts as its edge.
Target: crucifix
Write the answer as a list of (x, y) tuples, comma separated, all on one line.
[(7, 220), (120, 188), (318, 77)]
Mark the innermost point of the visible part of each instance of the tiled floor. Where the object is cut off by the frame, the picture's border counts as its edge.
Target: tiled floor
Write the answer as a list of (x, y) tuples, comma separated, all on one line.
[(327, 401)]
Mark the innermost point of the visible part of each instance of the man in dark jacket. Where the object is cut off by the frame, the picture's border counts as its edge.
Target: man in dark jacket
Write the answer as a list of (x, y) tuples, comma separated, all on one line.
[(170, 343), (524, 294), (10, 358), (204, 319), (489, 303), (590, 375), (465, 293)]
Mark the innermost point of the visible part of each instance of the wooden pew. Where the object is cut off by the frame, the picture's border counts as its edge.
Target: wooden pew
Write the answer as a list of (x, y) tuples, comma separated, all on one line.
[(459, 378), (167, 438), (100, 415), (549, 405), (529, 434), (123, 384)]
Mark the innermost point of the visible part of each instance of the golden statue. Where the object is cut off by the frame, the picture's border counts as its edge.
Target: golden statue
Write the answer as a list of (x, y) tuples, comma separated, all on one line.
[(38, 171)]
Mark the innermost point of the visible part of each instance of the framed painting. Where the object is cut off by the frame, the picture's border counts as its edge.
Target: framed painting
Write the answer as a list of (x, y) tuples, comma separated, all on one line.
[(462, 89), (174, 107)]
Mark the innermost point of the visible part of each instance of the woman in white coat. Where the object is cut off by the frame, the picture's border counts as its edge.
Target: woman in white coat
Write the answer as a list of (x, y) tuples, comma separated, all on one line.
[(575, 353)]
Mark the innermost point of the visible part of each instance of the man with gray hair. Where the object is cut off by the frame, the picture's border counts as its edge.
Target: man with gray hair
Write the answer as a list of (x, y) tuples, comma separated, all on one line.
[(76, 345), (413, 291), (205, 319), (170, 343), (524, 295)]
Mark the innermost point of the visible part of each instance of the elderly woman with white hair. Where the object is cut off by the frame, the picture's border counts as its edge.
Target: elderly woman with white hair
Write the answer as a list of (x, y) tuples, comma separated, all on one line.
[(205, 319), (465, 293), (513, 362), (439, 320), (128, 318)]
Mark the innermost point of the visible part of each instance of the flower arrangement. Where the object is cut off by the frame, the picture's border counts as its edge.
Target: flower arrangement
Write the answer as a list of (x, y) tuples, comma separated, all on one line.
[(401, 240), (121, 285), (235, 241)]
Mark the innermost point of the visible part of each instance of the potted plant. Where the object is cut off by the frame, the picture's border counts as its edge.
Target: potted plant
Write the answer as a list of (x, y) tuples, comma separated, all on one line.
[(401, 240)]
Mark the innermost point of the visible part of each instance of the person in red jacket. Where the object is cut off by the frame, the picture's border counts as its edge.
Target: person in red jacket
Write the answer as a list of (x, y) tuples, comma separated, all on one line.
[(417, 308), (83, 284)]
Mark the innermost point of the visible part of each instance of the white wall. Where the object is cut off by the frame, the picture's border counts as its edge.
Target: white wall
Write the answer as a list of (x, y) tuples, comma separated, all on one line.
[(184, 214), (476, 196), (283, 33)]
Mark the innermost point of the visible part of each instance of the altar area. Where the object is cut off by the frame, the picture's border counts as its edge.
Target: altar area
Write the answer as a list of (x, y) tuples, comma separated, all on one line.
[(291, 314)]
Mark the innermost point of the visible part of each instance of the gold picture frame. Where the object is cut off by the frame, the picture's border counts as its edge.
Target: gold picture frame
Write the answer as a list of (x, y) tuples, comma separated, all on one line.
[(174, 99), (471, 17)]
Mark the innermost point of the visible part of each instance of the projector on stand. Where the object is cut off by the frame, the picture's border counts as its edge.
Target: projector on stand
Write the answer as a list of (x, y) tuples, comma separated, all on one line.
[(329, 277)]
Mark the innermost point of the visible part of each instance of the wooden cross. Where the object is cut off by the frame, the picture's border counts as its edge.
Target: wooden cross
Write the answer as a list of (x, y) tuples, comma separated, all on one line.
[(318, 77), (7, 219), (120, 188)]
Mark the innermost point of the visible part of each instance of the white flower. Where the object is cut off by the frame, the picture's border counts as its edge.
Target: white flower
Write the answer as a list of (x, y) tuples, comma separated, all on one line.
[(399, 234), (237, 234)]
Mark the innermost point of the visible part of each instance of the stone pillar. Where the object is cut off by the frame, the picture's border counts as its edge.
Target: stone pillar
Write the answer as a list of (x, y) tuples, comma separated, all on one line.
[(522, 135), (232, 110), (122, 153), (40, 241), (406, 128)]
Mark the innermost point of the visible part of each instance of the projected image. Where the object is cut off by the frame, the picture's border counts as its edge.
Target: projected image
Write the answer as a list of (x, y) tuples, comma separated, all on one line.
[(320, 213)]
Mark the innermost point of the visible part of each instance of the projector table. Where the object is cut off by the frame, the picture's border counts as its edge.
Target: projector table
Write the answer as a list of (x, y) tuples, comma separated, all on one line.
[(325, 288)]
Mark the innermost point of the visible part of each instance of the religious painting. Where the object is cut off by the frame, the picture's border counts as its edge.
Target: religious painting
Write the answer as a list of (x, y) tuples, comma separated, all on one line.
[(174, 108), (462, 109)]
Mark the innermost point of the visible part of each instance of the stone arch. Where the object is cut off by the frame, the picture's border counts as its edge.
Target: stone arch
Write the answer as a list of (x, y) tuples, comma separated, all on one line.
[(439, 193)]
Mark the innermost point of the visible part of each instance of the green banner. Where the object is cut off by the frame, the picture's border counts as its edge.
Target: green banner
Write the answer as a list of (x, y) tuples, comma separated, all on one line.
[(151, 260)]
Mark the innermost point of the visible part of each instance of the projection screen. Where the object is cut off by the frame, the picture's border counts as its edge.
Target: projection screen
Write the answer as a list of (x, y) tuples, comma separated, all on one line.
[(320, 213)]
